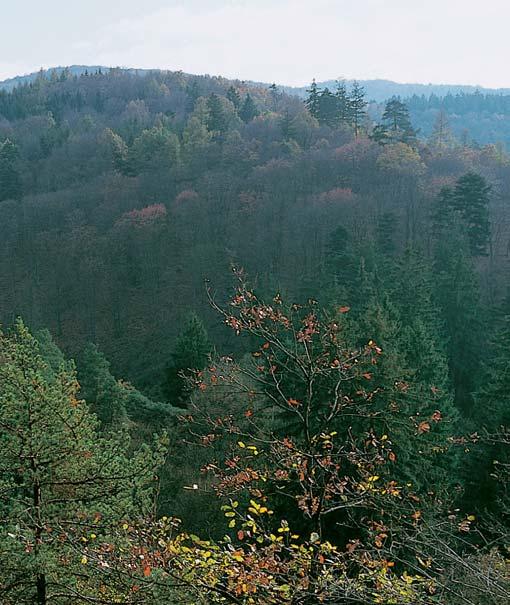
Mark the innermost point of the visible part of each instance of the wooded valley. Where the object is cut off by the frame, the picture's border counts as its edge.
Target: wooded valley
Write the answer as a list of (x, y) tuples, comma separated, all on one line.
[(255, 347)]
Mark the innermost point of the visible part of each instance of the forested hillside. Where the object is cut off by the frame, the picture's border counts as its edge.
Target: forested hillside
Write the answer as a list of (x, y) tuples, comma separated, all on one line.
[(121, 194), (307, 302)]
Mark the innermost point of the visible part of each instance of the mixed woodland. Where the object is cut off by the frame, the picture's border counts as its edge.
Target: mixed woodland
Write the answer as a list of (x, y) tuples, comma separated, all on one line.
[(255, 348)]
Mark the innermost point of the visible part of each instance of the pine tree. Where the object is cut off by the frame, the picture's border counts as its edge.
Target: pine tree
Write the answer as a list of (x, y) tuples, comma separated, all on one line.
[(343, 105), (114, 401), (442, 211), (471, 199), (234, 97), (457, 294), (413, 396), (327, 110), (396, 124), (399, 312), (191, 352), (491, 414), (61, 483), (248, 110), (357, 107), (100, 389), (216, 119), (312, 102), (275, 95), (10, 178), (385, 233), (349, 271), (192, 95), (286, 124)]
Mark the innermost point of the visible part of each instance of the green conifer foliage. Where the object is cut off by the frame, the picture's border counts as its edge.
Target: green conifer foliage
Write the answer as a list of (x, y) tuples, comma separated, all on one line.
[(471, 199), (342, 97), (191, 352), (396, 123), (312, 102), (248, 109), (10, 178), (216, 119), (490, 460), (61, 482), (99, 388), (234, 97), (413, 405), (357, 107), (457, 294)]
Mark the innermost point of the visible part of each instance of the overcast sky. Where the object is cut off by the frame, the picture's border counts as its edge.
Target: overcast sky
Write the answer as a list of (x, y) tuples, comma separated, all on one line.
[(287, 41)]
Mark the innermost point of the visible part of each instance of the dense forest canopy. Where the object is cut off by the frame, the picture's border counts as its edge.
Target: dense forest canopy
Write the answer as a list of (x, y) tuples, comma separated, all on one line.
[(305, 299)]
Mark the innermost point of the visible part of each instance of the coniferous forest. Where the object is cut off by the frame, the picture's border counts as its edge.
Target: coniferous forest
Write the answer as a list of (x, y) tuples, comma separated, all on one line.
[(254, 348)]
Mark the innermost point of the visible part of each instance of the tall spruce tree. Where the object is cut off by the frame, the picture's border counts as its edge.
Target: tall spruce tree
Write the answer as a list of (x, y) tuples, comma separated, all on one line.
[(114, 401), (248, 110), (327, 110), (312, 102), (491, 415), (457, 294), (234, 97), (216, 118), (10, 178), (100, 389), (357, 107), (342, 97), (413, 407), (191, 352), (471, 199)]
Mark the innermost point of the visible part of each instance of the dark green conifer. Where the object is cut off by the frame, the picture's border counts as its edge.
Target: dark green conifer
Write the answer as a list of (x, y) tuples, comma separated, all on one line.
[(357, 107), (248, 110), (216, 119), (62, 482), (312, 102), (471, 199), (191, 352), (10, 177), (234, 97), (396, 124)]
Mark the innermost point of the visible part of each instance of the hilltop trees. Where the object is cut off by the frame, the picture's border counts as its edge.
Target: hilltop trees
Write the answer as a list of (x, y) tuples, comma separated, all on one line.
[(357, 107), (341, 107), (395, 125)]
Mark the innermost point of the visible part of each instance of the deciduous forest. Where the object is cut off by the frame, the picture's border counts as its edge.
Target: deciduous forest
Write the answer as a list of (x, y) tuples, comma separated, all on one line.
[(254, 347)]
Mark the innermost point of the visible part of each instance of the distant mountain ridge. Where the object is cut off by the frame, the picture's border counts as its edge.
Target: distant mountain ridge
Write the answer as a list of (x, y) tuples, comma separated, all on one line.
[(381, 90), (377, 90)]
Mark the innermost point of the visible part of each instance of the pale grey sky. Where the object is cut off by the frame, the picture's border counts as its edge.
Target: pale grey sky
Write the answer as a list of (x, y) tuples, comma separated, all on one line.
[(287, 41)]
